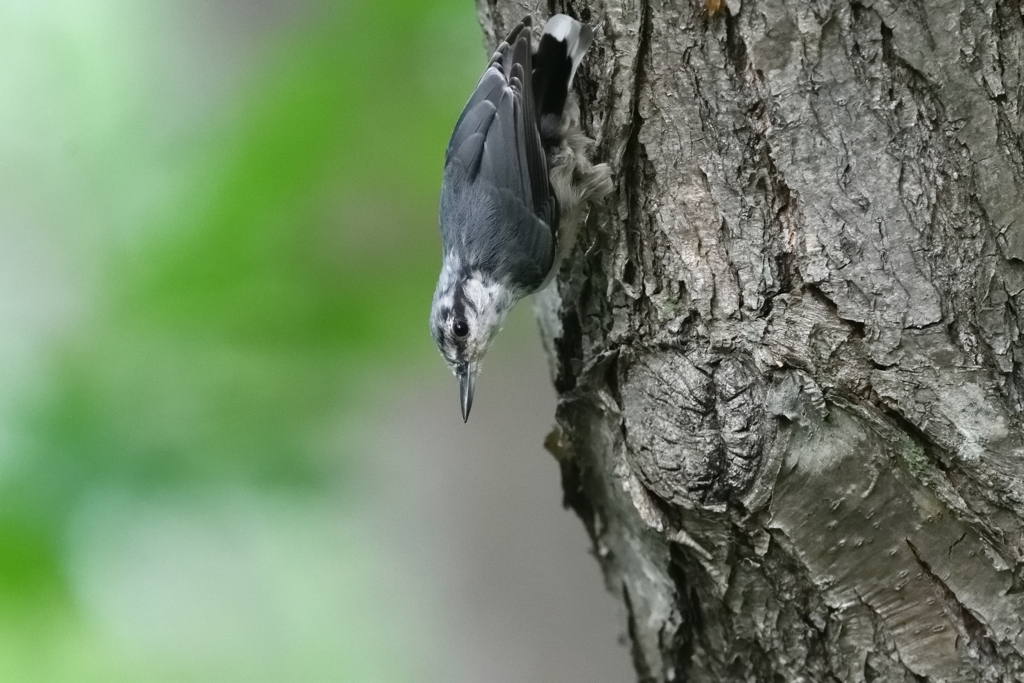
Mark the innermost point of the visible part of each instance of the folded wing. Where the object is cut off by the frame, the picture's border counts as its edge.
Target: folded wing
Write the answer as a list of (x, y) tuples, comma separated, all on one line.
[(496, 190)]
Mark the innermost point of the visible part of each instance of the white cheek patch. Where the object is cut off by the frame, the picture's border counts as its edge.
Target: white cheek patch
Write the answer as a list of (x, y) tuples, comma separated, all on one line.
[(482, 294), (492, 302)]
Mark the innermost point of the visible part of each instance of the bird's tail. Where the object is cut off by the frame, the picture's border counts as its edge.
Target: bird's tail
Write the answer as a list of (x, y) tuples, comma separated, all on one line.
[(558, 55)]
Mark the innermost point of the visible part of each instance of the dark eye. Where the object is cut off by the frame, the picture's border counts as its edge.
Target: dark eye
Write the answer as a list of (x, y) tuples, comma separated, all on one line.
[(460, 327)]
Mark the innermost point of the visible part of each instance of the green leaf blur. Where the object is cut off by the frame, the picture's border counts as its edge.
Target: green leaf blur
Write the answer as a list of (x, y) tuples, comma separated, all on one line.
[(233, 270)]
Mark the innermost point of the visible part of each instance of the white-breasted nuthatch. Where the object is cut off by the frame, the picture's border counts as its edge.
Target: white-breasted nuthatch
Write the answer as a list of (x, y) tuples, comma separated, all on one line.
[(517, 184)]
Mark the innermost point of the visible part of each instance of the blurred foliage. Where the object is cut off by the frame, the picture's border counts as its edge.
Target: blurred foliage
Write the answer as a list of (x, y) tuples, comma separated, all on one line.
[(302, 265), (241, 271)]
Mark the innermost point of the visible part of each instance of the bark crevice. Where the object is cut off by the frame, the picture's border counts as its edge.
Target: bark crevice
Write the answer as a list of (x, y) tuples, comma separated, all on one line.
[(788, 349)]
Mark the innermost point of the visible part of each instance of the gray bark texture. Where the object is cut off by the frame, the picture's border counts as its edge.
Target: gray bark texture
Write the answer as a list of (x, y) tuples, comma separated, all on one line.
[(787, 348)]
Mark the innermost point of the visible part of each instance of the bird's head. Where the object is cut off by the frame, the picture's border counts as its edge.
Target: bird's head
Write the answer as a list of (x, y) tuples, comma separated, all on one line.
[(468, 311)]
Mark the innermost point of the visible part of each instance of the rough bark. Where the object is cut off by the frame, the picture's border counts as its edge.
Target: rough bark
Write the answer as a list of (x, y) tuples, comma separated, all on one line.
[(788, 348)]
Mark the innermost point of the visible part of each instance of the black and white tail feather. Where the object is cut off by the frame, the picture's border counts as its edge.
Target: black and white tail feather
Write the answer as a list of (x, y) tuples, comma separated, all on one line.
[(517, 185)]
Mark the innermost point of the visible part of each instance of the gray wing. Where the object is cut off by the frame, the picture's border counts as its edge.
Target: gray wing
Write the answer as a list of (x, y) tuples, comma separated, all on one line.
[(495, 194)]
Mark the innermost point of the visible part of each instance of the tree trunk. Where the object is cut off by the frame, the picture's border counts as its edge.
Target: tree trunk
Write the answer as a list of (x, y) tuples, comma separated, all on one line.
[(788, 347)]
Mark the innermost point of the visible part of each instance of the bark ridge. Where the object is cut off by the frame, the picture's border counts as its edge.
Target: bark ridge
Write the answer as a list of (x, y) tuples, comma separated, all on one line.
[(788, 346)]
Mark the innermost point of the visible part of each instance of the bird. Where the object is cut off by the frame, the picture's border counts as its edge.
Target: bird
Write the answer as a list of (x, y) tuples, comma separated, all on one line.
[(517, 184)]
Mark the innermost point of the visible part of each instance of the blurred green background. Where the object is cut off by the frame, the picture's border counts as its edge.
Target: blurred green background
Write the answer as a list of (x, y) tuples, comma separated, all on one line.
[(226, 438)]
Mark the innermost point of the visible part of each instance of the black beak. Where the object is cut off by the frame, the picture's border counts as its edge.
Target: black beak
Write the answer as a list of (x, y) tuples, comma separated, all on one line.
[(467, 381)]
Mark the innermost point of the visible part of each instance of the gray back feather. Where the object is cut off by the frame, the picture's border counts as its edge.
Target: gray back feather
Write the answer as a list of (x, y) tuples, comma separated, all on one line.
[(497, 212)]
